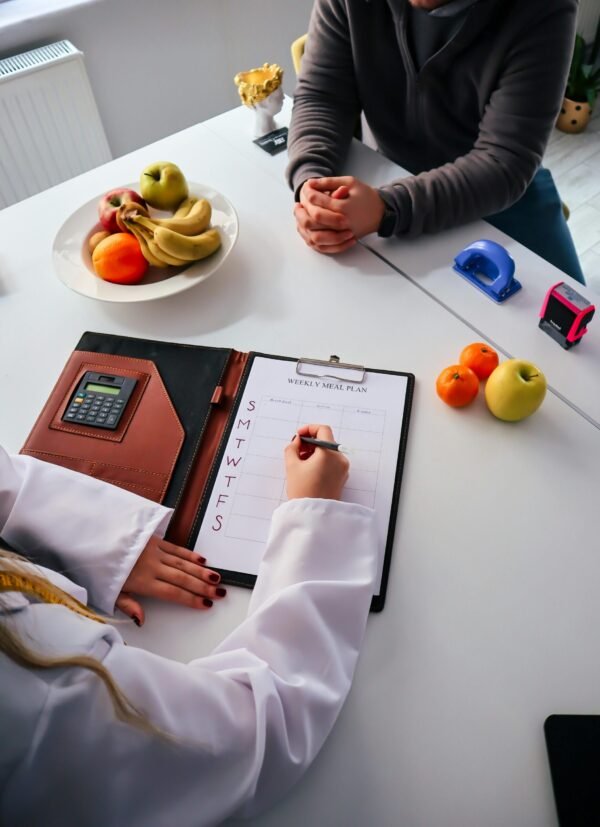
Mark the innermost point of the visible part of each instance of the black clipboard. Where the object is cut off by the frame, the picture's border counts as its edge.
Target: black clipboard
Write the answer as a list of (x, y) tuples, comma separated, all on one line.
[(356, 373), (573, 745)]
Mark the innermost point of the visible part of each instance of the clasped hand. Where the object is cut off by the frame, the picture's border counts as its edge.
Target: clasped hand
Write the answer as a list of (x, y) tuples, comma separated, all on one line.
[(333, 213)]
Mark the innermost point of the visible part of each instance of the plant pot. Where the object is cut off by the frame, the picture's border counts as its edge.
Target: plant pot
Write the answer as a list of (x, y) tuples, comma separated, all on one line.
[(574, 116)]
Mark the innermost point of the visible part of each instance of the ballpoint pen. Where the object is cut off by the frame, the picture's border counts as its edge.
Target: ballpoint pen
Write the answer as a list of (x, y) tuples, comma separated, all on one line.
[(321, 443)]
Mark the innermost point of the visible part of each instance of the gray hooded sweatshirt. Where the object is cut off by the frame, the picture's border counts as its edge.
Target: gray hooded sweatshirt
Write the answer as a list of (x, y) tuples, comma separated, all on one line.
[(471, 123)]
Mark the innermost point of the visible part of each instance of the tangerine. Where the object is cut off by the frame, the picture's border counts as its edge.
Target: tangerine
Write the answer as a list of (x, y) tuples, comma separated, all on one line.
[(481, 358), (119, 259), (457, 385)]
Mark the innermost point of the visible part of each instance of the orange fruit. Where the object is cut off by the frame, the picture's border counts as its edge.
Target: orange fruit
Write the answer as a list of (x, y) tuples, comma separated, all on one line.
[(481, 358), (457, 386), (119, 259)]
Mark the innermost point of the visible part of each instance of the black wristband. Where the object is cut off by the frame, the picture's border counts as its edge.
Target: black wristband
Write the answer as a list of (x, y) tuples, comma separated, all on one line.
[(387, 225)]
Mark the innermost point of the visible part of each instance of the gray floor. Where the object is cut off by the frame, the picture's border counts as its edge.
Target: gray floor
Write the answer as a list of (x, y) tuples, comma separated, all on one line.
[(575, 164)]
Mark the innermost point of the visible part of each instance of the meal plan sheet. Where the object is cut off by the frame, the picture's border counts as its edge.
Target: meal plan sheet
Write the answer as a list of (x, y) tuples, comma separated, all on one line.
[(366, 418)]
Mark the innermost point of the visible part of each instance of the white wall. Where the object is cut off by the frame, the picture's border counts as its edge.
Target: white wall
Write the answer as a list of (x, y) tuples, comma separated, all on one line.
[(158, 66)]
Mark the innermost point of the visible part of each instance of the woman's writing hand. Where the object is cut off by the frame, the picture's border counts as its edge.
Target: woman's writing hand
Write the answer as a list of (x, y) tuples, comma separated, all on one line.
[(172, 573), (314, 472)]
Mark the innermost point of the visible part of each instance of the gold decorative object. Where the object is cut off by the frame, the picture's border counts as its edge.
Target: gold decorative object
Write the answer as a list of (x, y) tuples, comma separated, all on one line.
[(260, 89)]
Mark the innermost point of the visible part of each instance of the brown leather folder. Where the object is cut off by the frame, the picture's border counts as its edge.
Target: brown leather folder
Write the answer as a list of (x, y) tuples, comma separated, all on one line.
[(182, 401)]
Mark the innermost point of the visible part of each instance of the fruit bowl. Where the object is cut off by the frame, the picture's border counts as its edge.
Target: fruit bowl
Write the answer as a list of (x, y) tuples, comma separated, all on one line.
[(73, 262)]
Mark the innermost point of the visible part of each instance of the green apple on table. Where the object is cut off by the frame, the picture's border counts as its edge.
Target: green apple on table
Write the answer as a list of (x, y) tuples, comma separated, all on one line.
[(515, 390), (163, 185)]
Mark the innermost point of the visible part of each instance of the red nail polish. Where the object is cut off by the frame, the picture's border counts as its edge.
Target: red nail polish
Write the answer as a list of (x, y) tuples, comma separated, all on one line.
[(208, 603), (214, 578), (220, 592), (202, 561)]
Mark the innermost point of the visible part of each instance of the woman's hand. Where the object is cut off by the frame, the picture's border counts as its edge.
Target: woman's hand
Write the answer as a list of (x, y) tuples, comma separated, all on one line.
[(169, 572), (312, 471)]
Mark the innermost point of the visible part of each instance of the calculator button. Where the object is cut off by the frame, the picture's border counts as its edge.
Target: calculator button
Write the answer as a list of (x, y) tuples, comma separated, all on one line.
[(91, 395), (80, 417), (70, 416), (78, 399), (111, 419)]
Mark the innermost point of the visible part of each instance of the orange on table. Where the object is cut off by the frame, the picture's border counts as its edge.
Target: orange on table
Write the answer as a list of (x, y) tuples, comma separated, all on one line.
[(119, 259), (457, 385), (481, 358)]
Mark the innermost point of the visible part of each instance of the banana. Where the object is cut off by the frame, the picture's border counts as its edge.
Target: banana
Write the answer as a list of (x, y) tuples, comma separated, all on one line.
[(128, 209), (155, 251), (185, 206), (152, 260), (190, 248), (195, 222)]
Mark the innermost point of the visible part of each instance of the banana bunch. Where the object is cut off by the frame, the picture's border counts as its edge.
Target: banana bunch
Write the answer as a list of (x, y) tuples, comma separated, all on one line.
[(175, 241)]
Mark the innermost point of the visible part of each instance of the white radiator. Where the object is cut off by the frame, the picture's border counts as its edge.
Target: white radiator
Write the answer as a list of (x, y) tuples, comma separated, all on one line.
[(50, 128)]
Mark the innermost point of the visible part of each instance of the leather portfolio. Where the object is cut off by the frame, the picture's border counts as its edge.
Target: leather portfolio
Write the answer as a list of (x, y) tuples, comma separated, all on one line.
[(172, 432)]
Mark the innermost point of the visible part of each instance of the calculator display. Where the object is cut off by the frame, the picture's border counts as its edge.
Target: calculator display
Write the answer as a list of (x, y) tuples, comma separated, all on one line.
[(102, 389)]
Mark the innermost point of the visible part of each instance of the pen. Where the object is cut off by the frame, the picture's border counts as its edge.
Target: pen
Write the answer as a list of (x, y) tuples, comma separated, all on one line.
[(321, 443)]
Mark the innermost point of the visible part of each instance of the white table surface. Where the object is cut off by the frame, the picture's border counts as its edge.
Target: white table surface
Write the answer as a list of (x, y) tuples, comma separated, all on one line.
[(492, 613), (510, 327)]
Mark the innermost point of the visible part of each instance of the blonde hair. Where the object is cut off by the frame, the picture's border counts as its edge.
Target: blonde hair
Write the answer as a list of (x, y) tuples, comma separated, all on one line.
[(14, 577), (257, 84)]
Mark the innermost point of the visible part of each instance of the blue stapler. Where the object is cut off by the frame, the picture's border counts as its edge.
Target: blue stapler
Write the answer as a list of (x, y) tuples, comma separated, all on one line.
[(489, 267)]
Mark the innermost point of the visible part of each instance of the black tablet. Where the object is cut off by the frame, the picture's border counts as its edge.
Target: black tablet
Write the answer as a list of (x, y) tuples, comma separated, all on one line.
[(573, 744)]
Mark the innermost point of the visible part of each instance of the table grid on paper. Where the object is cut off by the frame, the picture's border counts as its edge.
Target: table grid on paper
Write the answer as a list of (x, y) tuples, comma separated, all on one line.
[(260, 487)]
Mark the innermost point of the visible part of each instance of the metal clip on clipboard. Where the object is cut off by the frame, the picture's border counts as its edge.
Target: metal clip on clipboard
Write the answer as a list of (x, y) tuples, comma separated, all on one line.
[(333, 363)]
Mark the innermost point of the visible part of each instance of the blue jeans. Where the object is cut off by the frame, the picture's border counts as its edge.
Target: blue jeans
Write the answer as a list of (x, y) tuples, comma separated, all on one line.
[(536, 220)]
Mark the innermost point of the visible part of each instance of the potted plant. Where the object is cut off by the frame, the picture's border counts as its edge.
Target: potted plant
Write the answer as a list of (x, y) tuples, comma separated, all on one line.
[(583, 87)]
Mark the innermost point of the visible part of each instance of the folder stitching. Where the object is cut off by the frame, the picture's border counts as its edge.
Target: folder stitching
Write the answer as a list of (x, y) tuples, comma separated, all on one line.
[(198, 442), (93, 463), (225, 433)]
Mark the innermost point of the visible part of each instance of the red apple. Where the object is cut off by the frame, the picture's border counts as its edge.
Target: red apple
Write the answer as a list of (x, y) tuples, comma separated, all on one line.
[(110, 203)]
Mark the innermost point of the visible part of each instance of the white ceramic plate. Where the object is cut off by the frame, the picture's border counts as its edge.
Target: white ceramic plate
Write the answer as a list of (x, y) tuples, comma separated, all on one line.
[(73, 262)]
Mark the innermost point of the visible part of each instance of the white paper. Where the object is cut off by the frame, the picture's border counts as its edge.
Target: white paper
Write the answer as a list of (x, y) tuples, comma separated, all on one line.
[(366, 418)]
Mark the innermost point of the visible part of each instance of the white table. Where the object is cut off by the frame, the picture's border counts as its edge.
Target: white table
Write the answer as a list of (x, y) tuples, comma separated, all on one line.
[(511, 327), (492, 613)]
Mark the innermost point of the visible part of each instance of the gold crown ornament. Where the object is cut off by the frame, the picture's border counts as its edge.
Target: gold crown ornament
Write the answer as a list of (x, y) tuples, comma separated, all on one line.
[(257, 84)]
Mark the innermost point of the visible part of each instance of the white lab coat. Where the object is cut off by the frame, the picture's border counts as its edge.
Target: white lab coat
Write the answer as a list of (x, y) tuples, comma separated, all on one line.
[(249, 718)]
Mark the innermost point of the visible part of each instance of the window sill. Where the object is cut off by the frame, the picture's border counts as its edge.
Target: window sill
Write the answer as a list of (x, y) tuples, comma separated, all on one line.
[(14, 12)]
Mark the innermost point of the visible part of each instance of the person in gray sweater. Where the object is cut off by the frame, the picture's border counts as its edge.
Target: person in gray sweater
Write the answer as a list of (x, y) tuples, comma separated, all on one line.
[(461, 93)]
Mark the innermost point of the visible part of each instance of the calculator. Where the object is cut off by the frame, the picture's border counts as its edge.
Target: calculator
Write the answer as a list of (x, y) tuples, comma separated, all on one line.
[(99, 400)]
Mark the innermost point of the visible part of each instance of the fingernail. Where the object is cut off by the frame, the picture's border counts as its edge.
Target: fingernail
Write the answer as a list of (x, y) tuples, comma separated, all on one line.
[(202, 560), (220, 592), (293, 438), (214, 578), (208, 603), (136, 620)]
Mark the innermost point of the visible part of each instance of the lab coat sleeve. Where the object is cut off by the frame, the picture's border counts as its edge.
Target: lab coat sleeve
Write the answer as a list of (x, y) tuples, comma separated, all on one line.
[(85, 528), (246, 721)]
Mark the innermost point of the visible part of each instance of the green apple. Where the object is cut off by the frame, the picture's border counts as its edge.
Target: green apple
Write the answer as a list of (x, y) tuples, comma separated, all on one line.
[(515, 390), (163, 185)]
